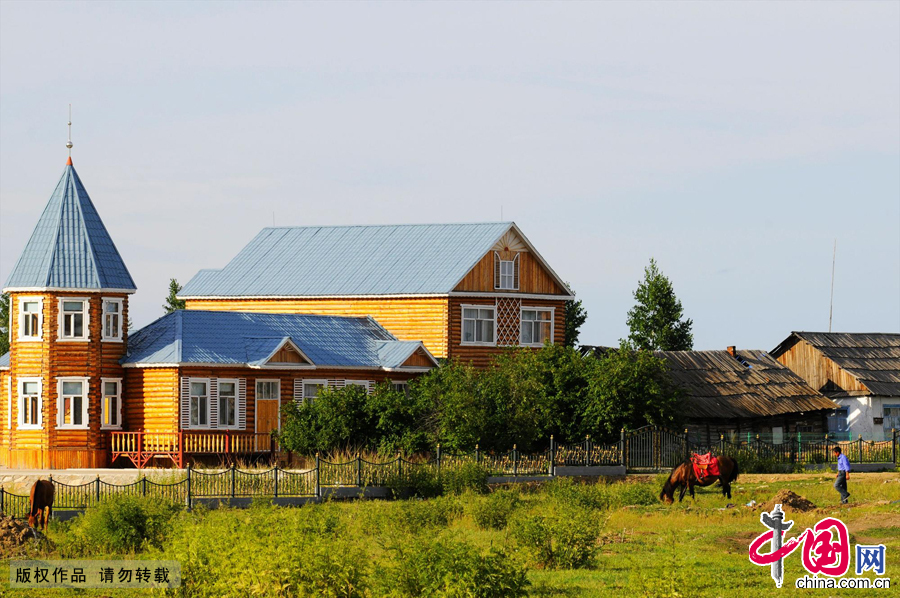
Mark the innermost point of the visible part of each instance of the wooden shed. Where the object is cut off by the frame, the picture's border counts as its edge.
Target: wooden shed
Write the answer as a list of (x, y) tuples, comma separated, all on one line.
[(740, 394)]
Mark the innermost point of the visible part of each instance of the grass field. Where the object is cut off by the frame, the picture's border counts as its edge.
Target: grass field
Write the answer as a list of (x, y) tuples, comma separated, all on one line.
[(441, 547)]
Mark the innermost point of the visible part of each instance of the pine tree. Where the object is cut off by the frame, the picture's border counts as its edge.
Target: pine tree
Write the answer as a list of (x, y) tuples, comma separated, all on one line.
[(4, 323), (656, 322), (172, 301), (576, 315)]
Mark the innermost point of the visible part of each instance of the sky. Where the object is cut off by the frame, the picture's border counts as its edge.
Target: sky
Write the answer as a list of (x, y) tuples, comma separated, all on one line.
[(733, 142)]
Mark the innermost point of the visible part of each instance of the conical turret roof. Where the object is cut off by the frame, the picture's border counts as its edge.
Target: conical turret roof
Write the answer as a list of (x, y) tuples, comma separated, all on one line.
[(70, 248)]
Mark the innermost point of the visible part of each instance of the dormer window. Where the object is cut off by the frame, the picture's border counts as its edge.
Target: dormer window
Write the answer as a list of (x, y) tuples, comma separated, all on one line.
[(73, 319), (506, 272), (30, 318)]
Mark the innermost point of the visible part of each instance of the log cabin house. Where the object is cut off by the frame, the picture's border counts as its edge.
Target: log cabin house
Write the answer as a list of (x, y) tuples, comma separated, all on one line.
[(739, 394), (81, 391), (465, 290), (858, 371)]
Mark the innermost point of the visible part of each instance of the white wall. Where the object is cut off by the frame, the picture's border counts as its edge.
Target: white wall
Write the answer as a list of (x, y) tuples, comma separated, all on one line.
[(861, 413)]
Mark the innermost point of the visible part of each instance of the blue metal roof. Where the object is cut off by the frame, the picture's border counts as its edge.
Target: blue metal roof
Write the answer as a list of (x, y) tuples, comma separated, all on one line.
[(4, 361), (350, 260), (223, 337), (70, 248)]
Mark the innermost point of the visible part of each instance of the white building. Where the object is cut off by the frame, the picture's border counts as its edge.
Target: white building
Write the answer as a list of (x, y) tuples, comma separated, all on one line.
[(858, 371)]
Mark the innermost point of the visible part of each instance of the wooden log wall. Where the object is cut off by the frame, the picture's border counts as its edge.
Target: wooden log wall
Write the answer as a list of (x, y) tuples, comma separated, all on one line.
[(479, 355), (153, 398), (49, 360), (413, 319)]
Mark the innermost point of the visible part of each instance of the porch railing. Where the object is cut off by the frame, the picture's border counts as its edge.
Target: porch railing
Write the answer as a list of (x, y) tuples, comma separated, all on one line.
[(141, 447)]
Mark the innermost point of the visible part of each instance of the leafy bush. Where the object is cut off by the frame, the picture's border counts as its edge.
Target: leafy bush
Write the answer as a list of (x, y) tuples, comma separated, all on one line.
[(493, 511), (463, 477), (602, 496), (444, 567), (558, 536), (122, 523), (417, 515)]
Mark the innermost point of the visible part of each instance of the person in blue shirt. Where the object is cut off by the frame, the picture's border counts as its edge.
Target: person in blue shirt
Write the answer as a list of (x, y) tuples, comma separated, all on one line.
[(843, 474)]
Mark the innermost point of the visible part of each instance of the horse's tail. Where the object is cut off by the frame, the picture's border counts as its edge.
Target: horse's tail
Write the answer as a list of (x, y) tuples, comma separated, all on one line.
[(735, 471)]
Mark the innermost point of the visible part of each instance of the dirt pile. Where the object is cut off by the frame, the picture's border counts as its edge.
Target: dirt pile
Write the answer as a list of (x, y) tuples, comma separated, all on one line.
[(789, 501), (14, 533)]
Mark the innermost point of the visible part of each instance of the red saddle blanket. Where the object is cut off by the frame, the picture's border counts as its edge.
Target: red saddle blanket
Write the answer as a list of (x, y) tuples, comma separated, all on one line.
[(705, 465)]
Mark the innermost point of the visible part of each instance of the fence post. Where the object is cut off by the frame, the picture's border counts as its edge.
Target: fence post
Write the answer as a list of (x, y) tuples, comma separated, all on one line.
[(2, 499), (684, 444), (586, 449), (552, 455), (144, 485), (721, 444), (359, 471), (439, 458), (276, 480), (859, 444), (477, 454), (98, 488), (622, 447), (894, 445), (232, 479), (189, 487), (399, 465), (515, 461), (317, 475)]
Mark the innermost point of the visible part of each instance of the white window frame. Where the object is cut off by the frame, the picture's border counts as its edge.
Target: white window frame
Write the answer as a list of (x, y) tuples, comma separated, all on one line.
[(522, 310), (462, 326), (121, 303), (191, 395), (277, 382), (86, 323), (511, 276), (20, 424), (60, 403), (40, 313), (400, 386), (237, 393), (104, 409), (320, 382)]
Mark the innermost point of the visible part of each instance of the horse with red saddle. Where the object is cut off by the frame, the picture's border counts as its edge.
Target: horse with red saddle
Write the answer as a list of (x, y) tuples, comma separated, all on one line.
[(700, 470)]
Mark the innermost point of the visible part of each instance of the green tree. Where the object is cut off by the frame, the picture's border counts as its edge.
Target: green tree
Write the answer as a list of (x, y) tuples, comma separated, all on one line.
[(628, 389), (172, 301), (4, 323), (656, 322), (576, 315)]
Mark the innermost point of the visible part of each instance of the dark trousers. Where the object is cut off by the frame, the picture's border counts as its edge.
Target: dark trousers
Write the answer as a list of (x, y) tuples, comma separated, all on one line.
[(840, 484)]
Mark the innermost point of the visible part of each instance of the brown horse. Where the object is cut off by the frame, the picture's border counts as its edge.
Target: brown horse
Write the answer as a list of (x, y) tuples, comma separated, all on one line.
[(41, 498), (683, 477)]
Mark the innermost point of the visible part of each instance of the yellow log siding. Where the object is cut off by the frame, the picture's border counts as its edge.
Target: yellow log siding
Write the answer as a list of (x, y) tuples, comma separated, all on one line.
[(533, 277), (413, 319), (150, 400)]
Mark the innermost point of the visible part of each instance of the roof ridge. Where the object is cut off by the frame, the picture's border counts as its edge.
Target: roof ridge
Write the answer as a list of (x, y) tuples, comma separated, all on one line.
[(87, 237), (406, 224)]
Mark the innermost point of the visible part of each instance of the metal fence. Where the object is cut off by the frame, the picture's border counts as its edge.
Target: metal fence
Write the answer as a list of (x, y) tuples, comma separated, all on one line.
[(648, 449)]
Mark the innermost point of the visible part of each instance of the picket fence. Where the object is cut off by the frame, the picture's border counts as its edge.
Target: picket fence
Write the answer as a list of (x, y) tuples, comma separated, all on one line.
[(648, 449)]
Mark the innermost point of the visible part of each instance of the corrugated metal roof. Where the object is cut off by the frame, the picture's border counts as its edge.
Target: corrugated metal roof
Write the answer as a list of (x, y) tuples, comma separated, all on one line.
[(4, 360), (194, 336), (70, 248), (719, 386), (873, 358), (350, 260)]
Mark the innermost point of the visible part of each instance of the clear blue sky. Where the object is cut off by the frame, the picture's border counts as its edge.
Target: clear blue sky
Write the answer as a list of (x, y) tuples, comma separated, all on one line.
[(733, 142)]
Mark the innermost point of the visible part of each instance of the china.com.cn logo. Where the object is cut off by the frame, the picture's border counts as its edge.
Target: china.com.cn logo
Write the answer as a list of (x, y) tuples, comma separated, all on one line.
[(826, 548)]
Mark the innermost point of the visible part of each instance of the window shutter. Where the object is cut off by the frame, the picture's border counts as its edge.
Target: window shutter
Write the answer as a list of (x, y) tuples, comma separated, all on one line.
[(242, 404), (336, 383), (298, 390), (185, 403), (496, 270), (213, 402), (516, 272)]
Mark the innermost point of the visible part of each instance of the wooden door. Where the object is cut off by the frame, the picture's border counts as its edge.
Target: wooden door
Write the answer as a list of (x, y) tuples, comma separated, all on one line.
[(266, 421)]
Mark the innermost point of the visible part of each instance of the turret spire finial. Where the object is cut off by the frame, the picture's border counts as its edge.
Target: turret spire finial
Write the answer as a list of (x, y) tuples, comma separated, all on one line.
[(69, 142)]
